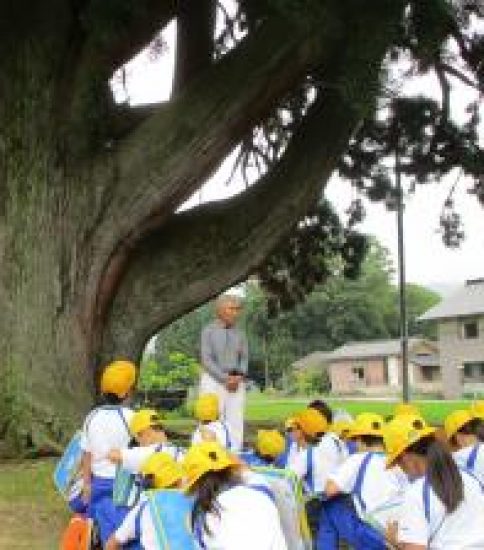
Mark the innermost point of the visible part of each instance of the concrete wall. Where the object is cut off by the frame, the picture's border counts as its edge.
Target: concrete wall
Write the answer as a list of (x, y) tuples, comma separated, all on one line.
[(455, 350)]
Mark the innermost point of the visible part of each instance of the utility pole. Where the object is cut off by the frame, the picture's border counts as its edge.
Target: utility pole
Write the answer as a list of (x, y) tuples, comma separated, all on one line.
[(402, 279)]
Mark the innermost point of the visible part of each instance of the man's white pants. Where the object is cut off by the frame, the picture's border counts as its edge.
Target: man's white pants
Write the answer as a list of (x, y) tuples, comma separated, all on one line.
[(232, 406)]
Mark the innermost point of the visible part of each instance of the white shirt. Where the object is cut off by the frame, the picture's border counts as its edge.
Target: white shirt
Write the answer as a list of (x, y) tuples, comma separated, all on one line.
[(103, 431), (462, 456), (461, 530), (381, 490), (219, 429), (328, 455), (248, 519), (240, 506), (133, 459)]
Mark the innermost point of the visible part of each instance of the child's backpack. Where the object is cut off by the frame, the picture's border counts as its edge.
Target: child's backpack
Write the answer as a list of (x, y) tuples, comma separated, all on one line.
[(171, 512), (127, 488), (78, 534), (290, 503), (67, 470)]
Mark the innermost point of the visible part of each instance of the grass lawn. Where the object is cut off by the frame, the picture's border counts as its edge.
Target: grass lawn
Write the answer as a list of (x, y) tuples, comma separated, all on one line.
[(32, 515)]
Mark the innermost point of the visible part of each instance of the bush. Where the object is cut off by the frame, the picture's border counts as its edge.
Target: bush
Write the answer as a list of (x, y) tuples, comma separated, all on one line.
[(179, 372)]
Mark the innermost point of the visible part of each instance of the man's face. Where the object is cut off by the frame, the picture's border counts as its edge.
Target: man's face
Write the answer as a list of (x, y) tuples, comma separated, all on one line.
[(228, 312)]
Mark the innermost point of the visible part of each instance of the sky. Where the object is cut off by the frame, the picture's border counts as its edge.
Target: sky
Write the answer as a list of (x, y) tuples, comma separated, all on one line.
[(428, 261)]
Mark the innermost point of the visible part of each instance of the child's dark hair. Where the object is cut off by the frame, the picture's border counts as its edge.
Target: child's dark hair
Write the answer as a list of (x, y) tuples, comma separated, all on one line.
[(473, 427), (442, 472), (371, 440), (322, 408), (206, 491), (111, 399)]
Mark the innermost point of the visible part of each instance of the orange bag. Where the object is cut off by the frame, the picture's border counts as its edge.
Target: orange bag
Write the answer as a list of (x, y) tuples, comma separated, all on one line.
[(77, 535)]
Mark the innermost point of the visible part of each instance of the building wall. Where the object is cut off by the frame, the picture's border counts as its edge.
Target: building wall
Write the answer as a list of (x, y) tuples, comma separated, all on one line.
[(344, 380), (455, 350)]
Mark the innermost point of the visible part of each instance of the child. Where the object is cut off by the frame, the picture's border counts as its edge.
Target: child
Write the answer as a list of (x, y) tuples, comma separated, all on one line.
[(316, 454), (323, 408), (269, 446), (146, 427), (461, 428), (289, 444), (105, 428), (211, 428), (227, 514), (373, 490), (160, 471), (443, 506)]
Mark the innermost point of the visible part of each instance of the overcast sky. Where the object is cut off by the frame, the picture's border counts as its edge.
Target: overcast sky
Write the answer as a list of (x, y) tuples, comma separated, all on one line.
[(429, 262)]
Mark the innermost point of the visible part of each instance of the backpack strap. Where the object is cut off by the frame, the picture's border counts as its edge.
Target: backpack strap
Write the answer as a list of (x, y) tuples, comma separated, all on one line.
[(360, 478), (228, 441), (264, 489), (137, 525), (471, 459), (426, 499), (309, 477), (282, 459)]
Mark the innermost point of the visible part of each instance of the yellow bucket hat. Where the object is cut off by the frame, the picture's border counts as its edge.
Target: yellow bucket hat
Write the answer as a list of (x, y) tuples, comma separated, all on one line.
[(118, 378), (402, 432), (205, 457), (406, 408), (367, 424), (311, 422), (270, 443), (456, 420), (165, 471), (342, 428), (477, 409), (207, 408), (289, 423), (144, 419)]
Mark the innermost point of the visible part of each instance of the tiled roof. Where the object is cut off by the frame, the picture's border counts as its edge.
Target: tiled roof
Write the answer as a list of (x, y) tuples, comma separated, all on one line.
[(467, 301)]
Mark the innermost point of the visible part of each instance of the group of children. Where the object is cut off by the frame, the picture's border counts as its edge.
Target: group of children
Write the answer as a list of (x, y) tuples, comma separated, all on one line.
[(370, 482)]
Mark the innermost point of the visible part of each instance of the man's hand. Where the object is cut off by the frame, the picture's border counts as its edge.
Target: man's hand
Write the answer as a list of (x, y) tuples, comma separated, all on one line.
[(233, 382)]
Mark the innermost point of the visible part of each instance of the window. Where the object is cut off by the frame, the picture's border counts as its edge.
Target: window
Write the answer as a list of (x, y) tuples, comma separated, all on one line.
[(470, 330), (359, 374), (474, 372)]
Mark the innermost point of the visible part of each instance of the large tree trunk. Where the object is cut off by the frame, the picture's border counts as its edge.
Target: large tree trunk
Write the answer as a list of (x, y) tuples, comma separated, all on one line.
[(93, 256)]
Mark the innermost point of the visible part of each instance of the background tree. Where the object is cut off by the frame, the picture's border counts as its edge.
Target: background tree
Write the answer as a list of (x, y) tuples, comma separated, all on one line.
[(94, 254)]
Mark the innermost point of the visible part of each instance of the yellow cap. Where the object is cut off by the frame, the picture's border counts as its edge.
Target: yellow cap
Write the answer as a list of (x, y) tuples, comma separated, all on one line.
[(205, 457), (118, 378), (311, 422), (477, 409), (207, 408), (165, 471), (342, 428), (402, 432), (367, 424), (144, 419), (406, 408), (270, 443), (456, 420)]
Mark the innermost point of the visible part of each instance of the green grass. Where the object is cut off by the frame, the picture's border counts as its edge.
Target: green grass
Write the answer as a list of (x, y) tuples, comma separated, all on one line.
[(32, 515)]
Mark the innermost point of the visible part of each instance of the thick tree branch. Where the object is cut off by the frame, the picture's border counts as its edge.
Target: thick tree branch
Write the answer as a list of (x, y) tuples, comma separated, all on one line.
[(118, 31), (171, 154), (195, 40), (202, 252)]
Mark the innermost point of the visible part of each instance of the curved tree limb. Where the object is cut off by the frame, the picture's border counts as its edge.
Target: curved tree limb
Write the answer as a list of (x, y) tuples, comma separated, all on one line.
[(195, 40), (201, 252), (168, 157)]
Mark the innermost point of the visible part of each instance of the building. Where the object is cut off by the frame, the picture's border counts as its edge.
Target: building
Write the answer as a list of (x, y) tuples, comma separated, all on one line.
[(375, 367), (460, 319)]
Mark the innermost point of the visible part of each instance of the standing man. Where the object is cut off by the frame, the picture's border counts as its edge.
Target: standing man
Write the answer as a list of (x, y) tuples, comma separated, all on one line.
[(225, 362)]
